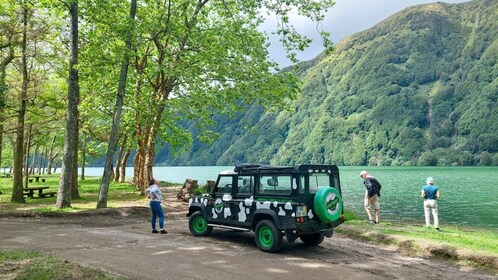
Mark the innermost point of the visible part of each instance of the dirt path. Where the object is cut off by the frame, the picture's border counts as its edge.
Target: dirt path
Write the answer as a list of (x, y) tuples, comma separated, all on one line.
[(120, 242)]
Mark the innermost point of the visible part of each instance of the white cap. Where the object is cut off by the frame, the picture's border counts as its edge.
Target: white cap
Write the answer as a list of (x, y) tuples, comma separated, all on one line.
[(429, 180), (363, 173)]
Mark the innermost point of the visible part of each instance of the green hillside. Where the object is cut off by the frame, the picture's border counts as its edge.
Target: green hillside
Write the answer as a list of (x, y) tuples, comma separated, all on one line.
[(419, 88)]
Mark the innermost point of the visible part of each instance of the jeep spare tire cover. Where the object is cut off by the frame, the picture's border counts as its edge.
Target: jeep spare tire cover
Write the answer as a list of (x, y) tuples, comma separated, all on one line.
[(328, 204)]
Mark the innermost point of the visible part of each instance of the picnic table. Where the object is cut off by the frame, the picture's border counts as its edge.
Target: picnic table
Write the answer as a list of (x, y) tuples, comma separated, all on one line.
[(31, 191), (37, 179)]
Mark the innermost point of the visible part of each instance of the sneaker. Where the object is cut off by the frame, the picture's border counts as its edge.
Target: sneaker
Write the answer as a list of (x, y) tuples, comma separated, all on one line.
[(163, 231), (155, 231), (375, 222), (438, 229)]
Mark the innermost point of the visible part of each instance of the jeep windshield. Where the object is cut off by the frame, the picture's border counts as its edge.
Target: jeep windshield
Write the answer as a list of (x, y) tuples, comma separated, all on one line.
[(318, 180)]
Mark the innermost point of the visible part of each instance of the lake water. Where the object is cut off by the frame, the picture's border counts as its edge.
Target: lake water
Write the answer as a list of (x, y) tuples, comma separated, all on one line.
[(469, 195)]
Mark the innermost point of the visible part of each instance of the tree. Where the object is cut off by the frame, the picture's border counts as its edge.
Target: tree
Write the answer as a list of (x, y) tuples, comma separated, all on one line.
[(67, 178), (203, 57), (106, 178), (7, 47), (17, 192)]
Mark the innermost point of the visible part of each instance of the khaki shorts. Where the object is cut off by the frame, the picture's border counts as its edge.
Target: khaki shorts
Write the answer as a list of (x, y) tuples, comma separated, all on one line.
[(373, 201)]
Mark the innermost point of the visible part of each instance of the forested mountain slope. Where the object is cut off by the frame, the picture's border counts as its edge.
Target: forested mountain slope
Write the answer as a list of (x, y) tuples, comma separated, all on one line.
[(419, 88)]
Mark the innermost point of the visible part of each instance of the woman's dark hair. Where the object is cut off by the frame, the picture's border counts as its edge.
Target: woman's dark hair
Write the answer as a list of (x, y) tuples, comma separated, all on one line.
[(152, 182)]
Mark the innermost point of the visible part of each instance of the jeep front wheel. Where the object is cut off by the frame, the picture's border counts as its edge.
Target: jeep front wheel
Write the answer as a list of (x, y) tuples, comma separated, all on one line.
[(312, 239), (268, 238), (198, 225)]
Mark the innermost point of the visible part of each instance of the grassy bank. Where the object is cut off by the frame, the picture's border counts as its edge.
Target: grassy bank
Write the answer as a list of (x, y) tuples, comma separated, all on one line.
[(16, 264), (120, 194), (467, 246)]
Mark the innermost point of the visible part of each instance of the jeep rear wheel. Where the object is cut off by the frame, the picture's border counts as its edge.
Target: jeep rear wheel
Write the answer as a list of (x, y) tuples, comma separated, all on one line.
[(198, 225), (328, 204), (312, 239), (268, 238)]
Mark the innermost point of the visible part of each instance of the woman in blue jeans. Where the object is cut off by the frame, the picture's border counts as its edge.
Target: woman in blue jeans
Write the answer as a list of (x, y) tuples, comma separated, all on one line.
[(156, 196)]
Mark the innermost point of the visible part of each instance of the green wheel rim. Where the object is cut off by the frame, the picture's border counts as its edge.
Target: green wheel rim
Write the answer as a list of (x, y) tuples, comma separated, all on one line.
[(200, 224), (266, 236)]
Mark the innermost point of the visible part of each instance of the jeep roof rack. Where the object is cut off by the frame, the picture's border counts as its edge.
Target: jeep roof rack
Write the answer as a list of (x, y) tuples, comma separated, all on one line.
[(248, 167), (259, 167)]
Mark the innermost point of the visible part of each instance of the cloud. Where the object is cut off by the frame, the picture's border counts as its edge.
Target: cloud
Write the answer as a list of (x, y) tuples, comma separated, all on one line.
[(345, 18)]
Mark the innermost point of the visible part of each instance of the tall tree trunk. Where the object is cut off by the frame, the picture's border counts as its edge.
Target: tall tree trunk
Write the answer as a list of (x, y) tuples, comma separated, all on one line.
[(122, 175), (137, 169), (43, 160), (3, 90), (17, 192), (106, 178), (118, 159), (27, 145), (33, 160), (51, 157), (70, 144), (83, 160), (75, 194)]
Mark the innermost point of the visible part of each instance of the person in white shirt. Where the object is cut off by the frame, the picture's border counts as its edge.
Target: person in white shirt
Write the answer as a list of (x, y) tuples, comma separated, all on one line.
[(156, 196)]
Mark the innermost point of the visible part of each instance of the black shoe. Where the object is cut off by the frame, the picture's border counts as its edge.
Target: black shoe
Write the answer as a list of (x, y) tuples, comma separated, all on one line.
[(163, 231), (376, 223), (438, 229), (155, 231)]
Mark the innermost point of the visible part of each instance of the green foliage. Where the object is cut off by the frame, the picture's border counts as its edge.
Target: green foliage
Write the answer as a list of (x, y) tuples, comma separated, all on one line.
[(420, 88)]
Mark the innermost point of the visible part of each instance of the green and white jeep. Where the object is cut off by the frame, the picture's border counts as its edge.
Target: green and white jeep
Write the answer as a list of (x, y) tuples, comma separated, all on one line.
[(302, 201)]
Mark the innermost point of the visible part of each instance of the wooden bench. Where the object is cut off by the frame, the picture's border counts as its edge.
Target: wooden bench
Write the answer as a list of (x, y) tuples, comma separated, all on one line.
[(45, 194), (31, 191)]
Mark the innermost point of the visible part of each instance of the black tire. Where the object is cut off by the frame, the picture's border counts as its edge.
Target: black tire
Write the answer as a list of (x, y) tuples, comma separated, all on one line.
[(198, 225), (313, 239), (268, 238)]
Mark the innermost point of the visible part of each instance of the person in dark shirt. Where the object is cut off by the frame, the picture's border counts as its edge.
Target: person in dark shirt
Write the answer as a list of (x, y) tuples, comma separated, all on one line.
[(430, 194), (372, 195)]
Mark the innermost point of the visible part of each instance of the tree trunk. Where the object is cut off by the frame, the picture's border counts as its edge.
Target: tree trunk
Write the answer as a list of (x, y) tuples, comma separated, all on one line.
[(43, 160), (26, 155), (122, 176), (83, 161), (3, 91), (17, 192), (74, 183), (70, 144), (118, 159), (51, 157), (33, 160), (104, 187)]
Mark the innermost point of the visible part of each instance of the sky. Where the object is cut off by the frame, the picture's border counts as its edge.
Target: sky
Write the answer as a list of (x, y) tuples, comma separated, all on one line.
[(345, 18)]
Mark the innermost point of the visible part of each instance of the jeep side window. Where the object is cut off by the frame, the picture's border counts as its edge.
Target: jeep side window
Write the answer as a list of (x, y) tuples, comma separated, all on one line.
[(224, 184), (245, 184), (279, 185)]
